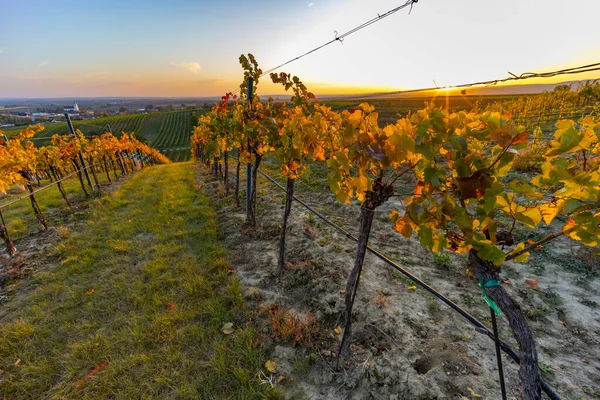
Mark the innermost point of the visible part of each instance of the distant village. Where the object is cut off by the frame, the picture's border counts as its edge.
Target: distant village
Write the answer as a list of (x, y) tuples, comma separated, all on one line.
[(23, 115)]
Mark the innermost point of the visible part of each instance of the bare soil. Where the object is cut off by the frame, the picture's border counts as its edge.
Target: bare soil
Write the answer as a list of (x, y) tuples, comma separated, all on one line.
[(406, 343)]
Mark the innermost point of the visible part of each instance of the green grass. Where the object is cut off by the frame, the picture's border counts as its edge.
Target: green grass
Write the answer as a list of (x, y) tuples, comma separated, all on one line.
[(144, 286), (20, 219)]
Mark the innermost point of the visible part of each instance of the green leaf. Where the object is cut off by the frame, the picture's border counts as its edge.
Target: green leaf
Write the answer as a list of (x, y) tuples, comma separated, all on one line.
[(489, 252), (571, 205), (525, 189), (462, 219), (431, 176), (426, 237), (567, 137)]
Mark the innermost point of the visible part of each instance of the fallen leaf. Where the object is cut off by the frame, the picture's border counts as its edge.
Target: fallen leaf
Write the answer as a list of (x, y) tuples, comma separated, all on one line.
[(172, 306), (227, 328), (17, 362), (271, 366), (413, 287), (90, 292), (281, 378), (94, 372), (256, 343), (532, 283), (338, 330), (231, 271), (473, 393), (563, 323), (343, 291)]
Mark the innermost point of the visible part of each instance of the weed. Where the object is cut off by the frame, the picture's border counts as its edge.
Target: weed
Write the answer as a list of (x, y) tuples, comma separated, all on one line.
[(468, 299), (538, 267), (310, 218), (548, 351), (546, 369), (510, 272), (442, 260), (289, 326), (433, 305), (381, 299), (588, 302), (550, 297)]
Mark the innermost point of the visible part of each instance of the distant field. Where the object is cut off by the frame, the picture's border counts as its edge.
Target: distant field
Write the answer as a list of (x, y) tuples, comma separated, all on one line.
[(169, 132), (12, 108)]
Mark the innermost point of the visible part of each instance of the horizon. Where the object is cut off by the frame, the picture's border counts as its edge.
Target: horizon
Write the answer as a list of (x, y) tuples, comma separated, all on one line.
[(190, 49)]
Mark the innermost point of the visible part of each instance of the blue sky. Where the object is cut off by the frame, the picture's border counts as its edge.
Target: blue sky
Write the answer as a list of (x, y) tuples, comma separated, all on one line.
[(190, 47)]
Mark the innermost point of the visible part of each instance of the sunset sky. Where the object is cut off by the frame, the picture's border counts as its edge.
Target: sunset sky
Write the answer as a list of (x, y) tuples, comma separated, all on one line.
[(191, 47)]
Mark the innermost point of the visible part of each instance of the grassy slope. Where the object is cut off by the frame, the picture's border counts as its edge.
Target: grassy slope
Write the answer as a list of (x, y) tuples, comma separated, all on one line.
[(143, 286)]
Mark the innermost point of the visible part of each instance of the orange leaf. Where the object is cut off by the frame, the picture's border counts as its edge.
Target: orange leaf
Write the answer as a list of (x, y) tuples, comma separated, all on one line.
[(532, 283), (172, 306), (338, 330), (94, 372), (90, 292), (521, 138)]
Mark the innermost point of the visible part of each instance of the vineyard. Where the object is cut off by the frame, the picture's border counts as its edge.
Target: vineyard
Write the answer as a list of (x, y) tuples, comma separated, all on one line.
[(416, 218), (168, 132), (479, 183)]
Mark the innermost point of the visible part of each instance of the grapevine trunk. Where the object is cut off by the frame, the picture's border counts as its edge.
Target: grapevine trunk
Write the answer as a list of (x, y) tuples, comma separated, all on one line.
[(528, 371), (93, 169), (237, 181), (60, 187), (10, 247), (106, 169), (114, 167), (226, 166), (366, 220), (252, 214), (373, 199), (289, 197), (36, 208), (80, 178)]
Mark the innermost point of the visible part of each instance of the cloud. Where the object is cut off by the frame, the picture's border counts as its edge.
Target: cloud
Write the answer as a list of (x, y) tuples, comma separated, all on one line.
[(192, 67), (310, 5), (44, 63)]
